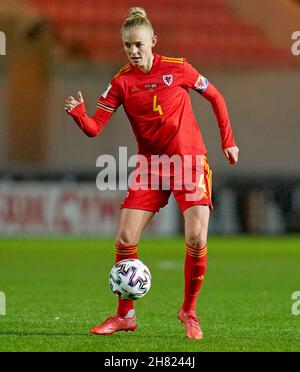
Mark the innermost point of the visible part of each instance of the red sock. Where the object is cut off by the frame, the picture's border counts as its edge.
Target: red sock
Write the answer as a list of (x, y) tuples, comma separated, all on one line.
[(194, 270), (123, 252)]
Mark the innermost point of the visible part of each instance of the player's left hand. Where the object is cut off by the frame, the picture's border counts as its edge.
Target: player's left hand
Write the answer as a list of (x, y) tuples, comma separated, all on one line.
[(232, 154)]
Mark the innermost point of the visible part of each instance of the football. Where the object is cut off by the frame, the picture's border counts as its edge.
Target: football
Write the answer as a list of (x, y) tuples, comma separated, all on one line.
[(130, 279)]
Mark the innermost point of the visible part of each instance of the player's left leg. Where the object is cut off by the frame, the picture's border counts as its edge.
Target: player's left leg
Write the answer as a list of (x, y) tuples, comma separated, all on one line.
[(196, 221), (196, 227), (194, 201)]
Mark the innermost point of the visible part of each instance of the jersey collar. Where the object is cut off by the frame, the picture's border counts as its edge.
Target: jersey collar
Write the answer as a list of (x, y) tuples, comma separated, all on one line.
[(154, 68)]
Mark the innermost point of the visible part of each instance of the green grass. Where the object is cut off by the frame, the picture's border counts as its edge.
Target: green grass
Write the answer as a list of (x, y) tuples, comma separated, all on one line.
[(57, 289)]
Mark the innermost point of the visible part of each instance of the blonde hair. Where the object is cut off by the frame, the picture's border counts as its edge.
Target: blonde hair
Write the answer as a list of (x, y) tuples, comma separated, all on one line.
[(137, 18)]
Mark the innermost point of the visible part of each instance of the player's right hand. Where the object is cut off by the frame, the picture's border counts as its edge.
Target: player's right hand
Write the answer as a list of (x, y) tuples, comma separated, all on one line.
[(71, 102)]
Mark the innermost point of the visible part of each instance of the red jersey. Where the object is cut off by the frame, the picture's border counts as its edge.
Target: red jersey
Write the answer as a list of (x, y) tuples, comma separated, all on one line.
[(159, 108)]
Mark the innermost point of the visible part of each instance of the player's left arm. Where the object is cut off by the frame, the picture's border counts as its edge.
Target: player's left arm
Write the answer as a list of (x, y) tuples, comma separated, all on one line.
[(197, 82), (230, 149)]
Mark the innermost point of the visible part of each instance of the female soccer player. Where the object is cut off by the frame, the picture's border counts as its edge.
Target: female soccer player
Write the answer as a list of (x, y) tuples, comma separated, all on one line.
[(154, 92)]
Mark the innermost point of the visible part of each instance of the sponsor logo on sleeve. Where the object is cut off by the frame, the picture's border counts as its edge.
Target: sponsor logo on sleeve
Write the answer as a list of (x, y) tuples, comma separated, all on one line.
[(105, 93), (201, 84)]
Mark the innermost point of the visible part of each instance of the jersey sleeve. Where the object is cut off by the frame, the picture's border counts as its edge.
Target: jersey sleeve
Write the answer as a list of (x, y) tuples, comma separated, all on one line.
[(93, 126), (193, 79), (110, 99)]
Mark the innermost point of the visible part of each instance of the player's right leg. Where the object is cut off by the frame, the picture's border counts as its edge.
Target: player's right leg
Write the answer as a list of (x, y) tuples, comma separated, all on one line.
[(131, 225)]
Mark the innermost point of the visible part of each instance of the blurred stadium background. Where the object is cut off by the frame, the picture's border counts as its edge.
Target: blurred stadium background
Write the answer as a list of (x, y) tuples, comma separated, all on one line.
[(48, 167), (48, 177)]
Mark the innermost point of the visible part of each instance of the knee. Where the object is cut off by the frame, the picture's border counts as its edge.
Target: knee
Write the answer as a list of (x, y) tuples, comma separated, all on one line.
[(125, 238), (196, 240)]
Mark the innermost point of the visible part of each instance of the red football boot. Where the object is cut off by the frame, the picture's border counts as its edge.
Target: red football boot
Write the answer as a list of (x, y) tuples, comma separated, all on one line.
[(116, 324), (191, 322)]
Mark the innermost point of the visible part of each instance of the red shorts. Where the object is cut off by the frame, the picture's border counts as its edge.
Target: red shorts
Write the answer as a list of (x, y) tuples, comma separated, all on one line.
[(186, 194)]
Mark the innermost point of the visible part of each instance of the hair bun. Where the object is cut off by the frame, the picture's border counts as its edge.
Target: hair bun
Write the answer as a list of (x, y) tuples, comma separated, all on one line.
[(137, 12)]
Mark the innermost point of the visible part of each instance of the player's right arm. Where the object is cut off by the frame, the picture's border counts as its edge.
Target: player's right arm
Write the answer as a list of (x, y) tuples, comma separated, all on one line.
[(107, 105)]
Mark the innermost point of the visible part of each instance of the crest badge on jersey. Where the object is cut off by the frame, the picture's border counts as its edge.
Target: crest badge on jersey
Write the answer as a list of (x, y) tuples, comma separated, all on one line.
[(168, 79)]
